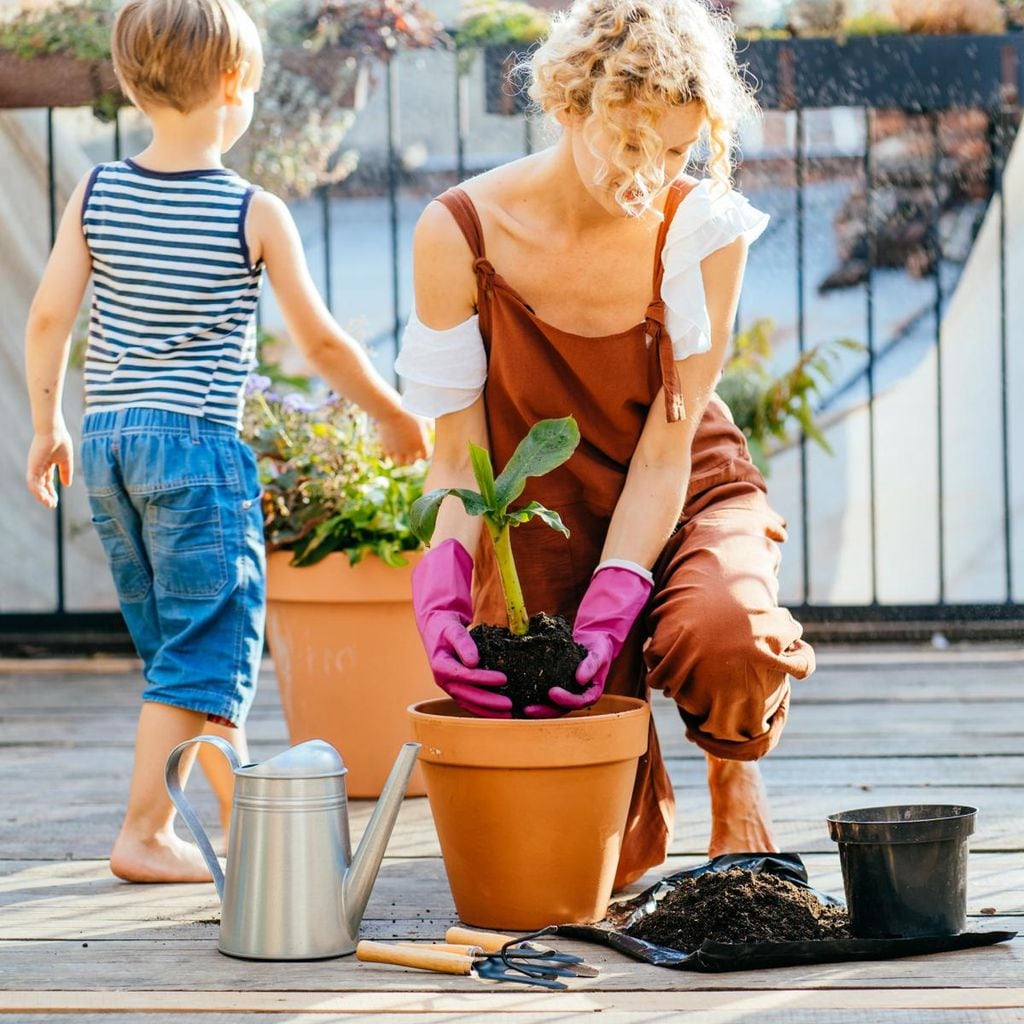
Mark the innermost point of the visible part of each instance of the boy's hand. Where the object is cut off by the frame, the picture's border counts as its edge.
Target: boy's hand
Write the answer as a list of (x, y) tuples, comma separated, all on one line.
[(404, 437), (49, 451)]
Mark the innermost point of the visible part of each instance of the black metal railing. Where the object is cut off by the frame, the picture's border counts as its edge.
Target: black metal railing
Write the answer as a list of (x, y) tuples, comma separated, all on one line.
[(783, 89)]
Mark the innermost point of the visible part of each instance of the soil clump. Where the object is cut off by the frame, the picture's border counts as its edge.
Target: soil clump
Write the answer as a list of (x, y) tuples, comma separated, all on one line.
[(739, 906), (546, 656)]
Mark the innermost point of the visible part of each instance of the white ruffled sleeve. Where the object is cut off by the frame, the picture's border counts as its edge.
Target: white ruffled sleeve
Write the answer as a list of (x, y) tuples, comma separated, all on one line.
[(443, 371), (707, 219)]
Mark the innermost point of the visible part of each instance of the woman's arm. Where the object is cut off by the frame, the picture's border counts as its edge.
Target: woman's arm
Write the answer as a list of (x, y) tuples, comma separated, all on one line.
[(659, 473), (445, 287)]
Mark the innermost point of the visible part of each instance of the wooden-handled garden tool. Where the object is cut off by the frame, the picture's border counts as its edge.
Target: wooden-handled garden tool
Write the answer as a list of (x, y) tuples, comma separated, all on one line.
[(444, 959), (523, 952)]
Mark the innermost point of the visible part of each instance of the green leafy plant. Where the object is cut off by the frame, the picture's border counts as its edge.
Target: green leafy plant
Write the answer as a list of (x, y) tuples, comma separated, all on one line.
[(767, 405), (548, 444), (500, 23), (76, 29), (871, 23), (327, 485), (316, 51), (510, 23), (72, 29)]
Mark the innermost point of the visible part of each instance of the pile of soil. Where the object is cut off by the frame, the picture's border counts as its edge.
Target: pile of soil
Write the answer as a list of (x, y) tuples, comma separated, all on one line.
[(547, 656), (739, 906)]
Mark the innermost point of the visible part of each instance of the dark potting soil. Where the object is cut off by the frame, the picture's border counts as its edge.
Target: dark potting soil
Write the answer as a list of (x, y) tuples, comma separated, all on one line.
[(547, 656), (739, 906)]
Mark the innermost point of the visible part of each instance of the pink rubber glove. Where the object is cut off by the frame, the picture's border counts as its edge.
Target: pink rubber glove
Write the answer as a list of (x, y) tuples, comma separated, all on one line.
[(614, 599), (443, 606)]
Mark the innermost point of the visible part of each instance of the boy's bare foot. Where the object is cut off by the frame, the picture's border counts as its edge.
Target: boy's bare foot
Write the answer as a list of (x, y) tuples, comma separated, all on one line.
[(740, 819), (163, 858)]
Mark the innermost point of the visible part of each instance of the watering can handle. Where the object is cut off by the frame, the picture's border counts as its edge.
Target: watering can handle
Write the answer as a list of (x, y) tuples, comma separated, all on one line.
[(172, 777)]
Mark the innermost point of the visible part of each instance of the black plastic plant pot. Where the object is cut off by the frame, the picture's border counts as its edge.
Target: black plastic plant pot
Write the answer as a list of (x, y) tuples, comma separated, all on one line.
[(904, 868)]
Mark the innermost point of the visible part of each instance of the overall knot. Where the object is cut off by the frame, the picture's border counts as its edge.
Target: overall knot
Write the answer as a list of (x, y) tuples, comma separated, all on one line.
[(655, 321), (485, 272), (675, 408)]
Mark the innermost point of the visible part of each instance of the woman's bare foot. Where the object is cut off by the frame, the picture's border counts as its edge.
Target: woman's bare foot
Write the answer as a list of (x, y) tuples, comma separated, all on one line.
[(740, 818), (162, 858)]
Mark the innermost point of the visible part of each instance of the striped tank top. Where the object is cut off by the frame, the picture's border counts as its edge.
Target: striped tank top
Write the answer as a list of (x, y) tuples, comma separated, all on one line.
[(172, 324)]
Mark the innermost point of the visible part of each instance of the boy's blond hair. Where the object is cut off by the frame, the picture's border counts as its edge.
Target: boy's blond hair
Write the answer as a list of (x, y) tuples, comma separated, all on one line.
[(171, 53)]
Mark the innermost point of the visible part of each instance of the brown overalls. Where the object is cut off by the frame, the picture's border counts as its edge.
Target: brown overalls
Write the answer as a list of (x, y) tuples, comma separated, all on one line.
[(712, 637)]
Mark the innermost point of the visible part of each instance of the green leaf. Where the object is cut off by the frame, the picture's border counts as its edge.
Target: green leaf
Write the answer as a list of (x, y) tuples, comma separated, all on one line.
[(474, 503), (423, 514), (546, 515), (548, 444), (483, 472)]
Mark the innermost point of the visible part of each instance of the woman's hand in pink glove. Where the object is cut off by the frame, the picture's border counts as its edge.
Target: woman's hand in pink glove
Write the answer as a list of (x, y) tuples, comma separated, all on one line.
[(443, 606), (614, 599)]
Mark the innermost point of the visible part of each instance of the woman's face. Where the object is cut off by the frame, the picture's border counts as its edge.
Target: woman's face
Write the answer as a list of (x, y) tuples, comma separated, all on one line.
[(678, 128)]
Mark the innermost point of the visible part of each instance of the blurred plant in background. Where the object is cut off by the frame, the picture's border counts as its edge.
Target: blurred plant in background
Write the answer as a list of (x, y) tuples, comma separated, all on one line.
[(500, 23), (319, 60), (767, 405)]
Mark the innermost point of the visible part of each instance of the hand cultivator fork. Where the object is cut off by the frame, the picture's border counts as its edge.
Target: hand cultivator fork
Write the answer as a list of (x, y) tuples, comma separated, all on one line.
[(488, 955)]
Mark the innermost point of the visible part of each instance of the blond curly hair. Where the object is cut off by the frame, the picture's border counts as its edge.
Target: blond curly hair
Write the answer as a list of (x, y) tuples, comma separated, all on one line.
[(618, 63)]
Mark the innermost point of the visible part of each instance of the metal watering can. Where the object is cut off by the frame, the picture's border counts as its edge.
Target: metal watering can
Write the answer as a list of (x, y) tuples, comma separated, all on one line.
[(293, 890)]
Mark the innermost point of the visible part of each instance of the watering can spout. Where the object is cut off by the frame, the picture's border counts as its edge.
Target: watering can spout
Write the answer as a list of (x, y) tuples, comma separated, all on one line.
[(365, 864)]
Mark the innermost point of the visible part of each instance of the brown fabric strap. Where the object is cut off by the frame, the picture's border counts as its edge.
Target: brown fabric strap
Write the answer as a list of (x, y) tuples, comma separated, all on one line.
[(675, 407), (464, 212)]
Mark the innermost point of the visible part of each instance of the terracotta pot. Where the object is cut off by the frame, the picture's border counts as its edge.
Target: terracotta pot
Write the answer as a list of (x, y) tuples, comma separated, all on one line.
[(530, 815), (349, 660), (57, 80)]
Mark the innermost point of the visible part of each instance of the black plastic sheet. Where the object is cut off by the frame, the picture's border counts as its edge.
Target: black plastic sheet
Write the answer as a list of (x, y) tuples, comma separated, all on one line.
[(728, 956)]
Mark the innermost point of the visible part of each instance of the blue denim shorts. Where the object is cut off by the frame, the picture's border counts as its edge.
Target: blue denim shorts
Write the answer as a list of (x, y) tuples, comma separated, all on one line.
[(176, 502)]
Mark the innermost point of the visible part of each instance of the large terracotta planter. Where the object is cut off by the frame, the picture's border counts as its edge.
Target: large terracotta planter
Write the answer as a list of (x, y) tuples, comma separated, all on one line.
[(530, 814), (349, 660)]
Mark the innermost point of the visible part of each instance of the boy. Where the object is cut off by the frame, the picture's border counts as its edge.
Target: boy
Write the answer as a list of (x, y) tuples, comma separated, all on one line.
[(176, 245)]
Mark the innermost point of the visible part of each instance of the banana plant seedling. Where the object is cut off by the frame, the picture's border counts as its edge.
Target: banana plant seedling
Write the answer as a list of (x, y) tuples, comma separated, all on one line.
[(547, 446)]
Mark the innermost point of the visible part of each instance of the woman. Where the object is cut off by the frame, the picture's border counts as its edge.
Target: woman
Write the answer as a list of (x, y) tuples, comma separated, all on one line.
[(594, 278)]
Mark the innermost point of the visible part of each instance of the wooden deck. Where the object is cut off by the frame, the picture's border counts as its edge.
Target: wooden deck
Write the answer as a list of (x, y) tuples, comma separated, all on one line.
[(871, 727)]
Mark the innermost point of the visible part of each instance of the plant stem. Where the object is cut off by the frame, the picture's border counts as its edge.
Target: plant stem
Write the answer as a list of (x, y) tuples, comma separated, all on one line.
[(518, 620)]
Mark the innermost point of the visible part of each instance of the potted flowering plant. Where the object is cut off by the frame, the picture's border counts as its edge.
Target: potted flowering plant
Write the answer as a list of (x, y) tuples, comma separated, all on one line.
[(340, 556), (573, 775)]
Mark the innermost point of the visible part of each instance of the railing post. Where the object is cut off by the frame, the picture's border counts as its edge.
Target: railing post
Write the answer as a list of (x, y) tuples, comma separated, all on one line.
[(869, 295), (393, 145), (801, 341), (936, 244), (325, 227), (461, 115)]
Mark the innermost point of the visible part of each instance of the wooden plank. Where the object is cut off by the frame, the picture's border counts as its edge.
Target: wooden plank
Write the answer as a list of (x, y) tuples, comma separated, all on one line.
[(81, 900), (85, 832), (514, 1003), (45, 766), (194, 966), (636, 1016), (773, 1016), (823, 730)]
